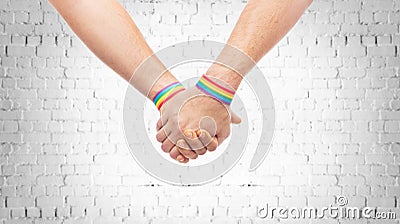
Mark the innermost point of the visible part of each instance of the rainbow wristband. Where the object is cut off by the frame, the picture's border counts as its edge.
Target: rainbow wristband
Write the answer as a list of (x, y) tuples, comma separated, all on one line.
[(215, 90), (167, 93)]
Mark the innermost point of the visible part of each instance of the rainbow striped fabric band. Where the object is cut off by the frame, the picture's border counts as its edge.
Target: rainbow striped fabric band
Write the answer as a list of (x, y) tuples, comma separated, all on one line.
[(215, 90), (167, 93)]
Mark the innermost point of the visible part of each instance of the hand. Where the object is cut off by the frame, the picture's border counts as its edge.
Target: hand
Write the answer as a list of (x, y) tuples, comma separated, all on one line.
[(206, 122)]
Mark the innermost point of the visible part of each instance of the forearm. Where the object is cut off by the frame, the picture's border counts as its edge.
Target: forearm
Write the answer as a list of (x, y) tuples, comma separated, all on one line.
[(109, 32), (260, 26)]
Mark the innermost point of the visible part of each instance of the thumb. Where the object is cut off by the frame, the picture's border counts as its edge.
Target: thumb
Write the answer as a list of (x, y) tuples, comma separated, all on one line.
[(235, 119)]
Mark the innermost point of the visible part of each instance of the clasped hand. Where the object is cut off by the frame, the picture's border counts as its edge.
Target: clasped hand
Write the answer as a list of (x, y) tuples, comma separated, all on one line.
[(192, 123)]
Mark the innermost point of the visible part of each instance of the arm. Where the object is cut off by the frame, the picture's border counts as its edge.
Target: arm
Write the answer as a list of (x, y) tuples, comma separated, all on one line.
[(109, 32), (260, 26)]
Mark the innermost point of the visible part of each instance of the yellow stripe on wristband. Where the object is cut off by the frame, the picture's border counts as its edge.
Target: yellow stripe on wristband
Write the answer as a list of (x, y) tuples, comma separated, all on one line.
[(166, 93), (215, 90)]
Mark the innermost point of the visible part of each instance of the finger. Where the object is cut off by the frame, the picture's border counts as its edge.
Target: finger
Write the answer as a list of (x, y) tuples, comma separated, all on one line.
[(161, 135), (182, 159), (159, 125), (176, 155), (163, 119), (201, 151), (213, 145), (235, 119), (204, 137), (182, 147), (210, 143), (167, 145), (192, 140), (209, 124)]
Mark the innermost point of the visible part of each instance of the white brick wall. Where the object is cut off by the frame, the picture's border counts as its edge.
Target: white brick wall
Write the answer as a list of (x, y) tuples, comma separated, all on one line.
[(336, 83)]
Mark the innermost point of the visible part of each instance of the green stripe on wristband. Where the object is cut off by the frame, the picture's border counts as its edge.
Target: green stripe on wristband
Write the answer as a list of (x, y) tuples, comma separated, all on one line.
[(166, 93), (215, 90)]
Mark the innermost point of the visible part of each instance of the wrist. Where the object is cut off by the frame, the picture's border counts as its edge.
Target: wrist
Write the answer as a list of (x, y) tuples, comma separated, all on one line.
[(228, 76), (166, 93), (216, 88), (164, 80)]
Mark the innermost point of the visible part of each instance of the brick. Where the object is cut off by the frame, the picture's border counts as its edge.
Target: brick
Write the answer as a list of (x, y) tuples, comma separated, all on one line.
[(52, 94), (51, 159), (347, 5), (364, 137), (66, 115), (13, 202), (323, 73), (50, 180), (364, 115), (390, 115), (108, 180), (36, 138), (37, 115), (350, 159), (22, 94), (18, 213), (383, 29), (49, 201), (18, 40), (290, 51), (80, 201), (351, 73), (336, 115), (20, 180), (47, 51), (378, 5), (381, 51), (50, 73), (318, 180), (375, 158), (352, 51), (78, 180), (390, 138), (350, 93), (10, 115), (321, 51), (24, 5), (353, 29), (65, 138), (33, 212), (47, 29), (351, 180), (21, 29), (113, 201), (78, 52), (11, 138), (79, 159), (20, 51), (78, 73)]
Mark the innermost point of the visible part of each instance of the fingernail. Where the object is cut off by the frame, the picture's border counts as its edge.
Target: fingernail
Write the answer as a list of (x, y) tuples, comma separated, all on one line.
[(180, 158), (188, 133), (180, 144)]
